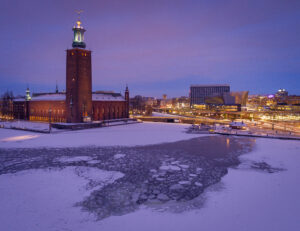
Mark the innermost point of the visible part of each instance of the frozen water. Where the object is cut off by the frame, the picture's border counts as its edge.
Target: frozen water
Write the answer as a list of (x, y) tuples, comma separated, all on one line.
[(118, 156), (248, 198), (169, 168), (67, 159), (184, 182)]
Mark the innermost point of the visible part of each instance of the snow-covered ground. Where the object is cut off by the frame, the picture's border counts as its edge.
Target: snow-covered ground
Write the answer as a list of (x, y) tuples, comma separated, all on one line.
[(129, 135), (22, 124), (35, 200), (246, 199), (163, 114)]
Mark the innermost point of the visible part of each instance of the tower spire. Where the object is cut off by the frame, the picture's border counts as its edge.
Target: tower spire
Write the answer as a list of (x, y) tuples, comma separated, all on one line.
[(56, 87), (78, 33), (27, 97), (78, 12)]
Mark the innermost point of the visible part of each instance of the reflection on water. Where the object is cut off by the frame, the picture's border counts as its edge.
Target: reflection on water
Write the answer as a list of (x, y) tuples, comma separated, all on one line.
[(227, 142)]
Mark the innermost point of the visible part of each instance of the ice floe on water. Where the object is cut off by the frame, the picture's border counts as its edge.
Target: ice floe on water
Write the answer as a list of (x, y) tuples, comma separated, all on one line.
[(184, 182), (97, 178), (68, 159), (184, 166), (199, 169), (169, 168), (119, 155), (94, 161), (199, 184)]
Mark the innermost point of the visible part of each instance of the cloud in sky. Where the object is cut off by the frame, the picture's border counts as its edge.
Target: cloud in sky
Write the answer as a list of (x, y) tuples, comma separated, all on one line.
[(155, 46)]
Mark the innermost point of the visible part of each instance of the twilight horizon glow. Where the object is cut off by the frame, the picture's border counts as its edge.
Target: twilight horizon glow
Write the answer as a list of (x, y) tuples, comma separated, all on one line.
[(156, 47)]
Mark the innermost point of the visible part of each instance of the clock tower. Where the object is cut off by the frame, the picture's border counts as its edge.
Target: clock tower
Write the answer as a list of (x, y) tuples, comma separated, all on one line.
[(78, 79)]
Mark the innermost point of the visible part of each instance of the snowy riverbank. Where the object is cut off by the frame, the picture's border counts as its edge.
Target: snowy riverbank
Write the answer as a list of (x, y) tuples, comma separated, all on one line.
[(260, 194), (131, 135)]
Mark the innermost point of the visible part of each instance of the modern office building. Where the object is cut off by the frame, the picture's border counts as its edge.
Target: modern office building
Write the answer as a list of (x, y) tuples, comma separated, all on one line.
[(281, 93), (198, 93), (228, 98)]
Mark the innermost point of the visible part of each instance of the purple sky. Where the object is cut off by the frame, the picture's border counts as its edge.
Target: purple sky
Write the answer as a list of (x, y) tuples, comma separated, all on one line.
[(156, 47)]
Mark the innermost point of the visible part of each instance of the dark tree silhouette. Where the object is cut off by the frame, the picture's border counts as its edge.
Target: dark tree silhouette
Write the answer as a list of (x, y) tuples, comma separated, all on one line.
[(6, 103)]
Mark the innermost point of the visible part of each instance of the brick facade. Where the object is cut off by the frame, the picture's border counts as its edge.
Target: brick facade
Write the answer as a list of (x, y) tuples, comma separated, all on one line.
[(39, 111), (104, 110), (78, 85)]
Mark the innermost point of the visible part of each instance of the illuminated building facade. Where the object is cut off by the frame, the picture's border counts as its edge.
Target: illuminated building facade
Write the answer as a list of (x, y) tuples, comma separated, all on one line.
[(229, 98), (198, 93), (281, 93), (78, 104)]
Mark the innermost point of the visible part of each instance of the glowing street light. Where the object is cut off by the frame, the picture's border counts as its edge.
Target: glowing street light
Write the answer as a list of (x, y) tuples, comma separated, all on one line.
[(50, 110)]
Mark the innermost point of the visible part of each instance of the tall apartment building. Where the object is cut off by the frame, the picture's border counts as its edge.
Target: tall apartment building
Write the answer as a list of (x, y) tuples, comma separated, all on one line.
[(198, 93)]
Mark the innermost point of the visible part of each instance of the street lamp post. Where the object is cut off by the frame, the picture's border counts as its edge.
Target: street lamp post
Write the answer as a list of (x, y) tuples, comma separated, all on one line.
[(273, 125), (50, 119), (71, 109)]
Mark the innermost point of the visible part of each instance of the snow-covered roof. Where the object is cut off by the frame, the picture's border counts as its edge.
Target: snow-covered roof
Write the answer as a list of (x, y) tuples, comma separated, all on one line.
[(107, 97), (49, 97), (210, 85), (19, 99), (62, 97)]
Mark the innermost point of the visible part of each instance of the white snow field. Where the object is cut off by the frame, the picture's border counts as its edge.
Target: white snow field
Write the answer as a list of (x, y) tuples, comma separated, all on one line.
[(158, 114), (244, 200), (126, 135), (35, 200), (22, 124)]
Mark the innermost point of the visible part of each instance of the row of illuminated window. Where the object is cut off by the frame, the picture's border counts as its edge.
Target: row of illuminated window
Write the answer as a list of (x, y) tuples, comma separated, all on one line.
[(108, 110), (46, 119), (46, 112), (82, 54)]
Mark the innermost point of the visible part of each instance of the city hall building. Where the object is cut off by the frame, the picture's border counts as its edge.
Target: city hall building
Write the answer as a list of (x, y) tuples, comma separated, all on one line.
[(78, 104)]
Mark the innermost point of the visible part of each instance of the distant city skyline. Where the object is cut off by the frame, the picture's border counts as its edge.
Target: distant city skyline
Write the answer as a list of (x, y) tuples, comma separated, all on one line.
[(156, 47)]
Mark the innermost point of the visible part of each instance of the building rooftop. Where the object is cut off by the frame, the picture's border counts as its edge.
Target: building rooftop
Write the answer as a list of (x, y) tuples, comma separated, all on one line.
[(210, 85), (96, 96), (107, 97), (49, 97), (19, 99)]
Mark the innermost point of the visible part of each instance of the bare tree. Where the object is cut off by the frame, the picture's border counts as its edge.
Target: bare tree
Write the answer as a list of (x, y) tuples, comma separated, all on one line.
[(6, 104)]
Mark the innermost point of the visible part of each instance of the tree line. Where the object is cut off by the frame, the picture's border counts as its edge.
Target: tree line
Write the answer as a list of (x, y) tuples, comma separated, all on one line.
[(6, 104)]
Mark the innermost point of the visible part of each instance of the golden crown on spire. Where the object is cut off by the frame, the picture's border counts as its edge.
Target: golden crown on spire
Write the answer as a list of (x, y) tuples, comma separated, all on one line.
[(78, 39), (78, 22)]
